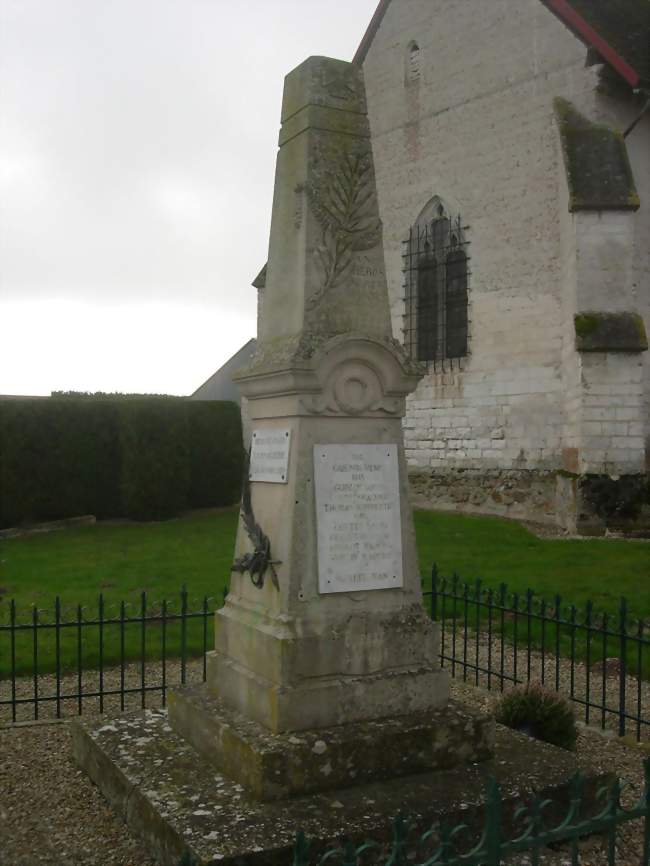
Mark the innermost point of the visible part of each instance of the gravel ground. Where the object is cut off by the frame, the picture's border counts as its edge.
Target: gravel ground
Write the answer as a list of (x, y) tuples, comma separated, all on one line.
[(50, 813), (76, 827), (600, 688), (563, 676), (91, 705), (606, 753)]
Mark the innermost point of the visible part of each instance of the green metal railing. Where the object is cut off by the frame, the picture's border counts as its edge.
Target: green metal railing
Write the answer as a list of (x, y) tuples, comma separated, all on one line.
[(443, 846)]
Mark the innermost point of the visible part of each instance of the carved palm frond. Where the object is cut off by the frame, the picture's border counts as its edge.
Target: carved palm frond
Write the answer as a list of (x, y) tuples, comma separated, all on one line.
[(345, 208)]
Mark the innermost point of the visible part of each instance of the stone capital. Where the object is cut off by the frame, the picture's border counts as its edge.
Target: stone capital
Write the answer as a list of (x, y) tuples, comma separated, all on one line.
[(324, 82), (349, 375)]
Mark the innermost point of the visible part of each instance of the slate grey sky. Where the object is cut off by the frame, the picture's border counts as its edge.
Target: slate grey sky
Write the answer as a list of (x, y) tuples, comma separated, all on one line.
[(137, 153)]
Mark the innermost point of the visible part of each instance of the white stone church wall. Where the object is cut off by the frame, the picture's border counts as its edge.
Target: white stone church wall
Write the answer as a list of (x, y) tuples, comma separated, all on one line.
[(477, 129)]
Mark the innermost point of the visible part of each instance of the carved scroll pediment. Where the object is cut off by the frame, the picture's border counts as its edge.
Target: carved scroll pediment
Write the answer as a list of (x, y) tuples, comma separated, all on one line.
[(352, 388)]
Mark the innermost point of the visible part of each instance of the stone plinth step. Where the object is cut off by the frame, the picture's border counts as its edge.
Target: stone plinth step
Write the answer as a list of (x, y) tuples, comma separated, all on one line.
[(271, 765), (177, 802)]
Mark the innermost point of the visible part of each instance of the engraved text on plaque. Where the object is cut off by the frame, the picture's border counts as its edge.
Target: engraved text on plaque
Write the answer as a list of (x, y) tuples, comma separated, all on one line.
[(270, 455), (358, 517)]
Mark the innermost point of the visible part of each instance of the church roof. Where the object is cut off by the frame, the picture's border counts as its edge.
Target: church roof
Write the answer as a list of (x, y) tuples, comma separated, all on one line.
[(260, 280), (617, 30)]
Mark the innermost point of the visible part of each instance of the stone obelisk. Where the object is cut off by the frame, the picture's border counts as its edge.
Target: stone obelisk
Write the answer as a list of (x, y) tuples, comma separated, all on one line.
[(324, 674), (334, 631)]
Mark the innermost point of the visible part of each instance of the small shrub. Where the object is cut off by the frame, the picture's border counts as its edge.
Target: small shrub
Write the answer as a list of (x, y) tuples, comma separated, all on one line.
[(540, 713)]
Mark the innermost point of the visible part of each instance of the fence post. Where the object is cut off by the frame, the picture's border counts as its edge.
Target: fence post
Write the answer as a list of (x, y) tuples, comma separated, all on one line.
[(529, 631), (613, 811), (205, 637), (57, 652), (101, 652), (122, 676), (163, 651), (434, 591), (300, 850), (183, 632), (477, 600), (493, 817), (143, 648), (12, 626), (400, 836), (622, 667), (503, 589), (558, 605), (79, 661), (35, 657), (588, 616), (646, 816)]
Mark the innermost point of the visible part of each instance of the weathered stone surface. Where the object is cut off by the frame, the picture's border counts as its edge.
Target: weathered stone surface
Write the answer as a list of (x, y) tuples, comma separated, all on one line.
[(599, 175), (329, 670), (518, 493), (271, 766), (613, 504), (534, 264), (610, 332), (176, 801), (328, 371), (325, 273)]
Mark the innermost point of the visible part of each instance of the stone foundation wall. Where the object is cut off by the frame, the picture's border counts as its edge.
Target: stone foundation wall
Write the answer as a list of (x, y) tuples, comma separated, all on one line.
[(618, 504), (516, 493), (580, 504)]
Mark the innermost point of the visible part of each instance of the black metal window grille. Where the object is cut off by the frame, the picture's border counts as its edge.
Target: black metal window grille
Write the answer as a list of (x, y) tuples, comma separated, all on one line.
[(436, 280)]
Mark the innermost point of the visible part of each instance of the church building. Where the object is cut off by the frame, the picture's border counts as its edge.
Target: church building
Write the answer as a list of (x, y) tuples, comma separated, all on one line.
[(511, 142)]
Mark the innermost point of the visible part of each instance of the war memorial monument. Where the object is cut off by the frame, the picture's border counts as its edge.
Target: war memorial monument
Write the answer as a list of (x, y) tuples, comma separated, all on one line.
[(325, 707)]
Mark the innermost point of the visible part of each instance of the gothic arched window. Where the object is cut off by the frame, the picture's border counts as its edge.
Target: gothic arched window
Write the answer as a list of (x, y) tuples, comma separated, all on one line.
[(436, 282)]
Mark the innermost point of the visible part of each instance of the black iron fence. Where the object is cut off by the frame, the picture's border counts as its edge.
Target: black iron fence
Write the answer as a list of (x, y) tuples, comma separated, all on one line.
[(54, 663), (121, 656), (495, 638)]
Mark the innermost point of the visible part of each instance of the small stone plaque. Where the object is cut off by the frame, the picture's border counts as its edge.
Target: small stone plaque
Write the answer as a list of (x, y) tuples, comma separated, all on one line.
[(270, 455), (359, 527)]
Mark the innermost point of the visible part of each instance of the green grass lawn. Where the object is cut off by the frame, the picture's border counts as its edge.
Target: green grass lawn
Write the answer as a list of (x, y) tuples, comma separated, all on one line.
[(499, 551), (121, 561)]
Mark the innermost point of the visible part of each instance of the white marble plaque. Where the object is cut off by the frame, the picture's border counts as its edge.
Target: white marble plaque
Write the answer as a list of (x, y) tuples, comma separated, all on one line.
[(270, 455), (359, 527)]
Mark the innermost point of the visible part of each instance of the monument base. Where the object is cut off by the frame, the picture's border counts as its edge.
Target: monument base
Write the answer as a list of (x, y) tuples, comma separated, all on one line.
[(271, 766), (333, 668), (326, 701), (177, 803)]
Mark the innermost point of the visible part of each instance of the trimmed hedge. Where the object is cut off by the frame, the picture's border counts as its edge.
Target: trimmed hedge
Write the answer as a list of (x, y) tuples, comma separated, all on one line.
[(155, 462), (215, 454), (144, 459)]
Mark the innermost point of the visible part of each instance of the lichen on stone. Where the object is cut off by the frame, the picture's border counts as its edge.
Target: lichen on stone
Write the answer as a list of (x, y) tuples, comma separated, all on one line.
[(599, 175), (585, 324), (610, 332)]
